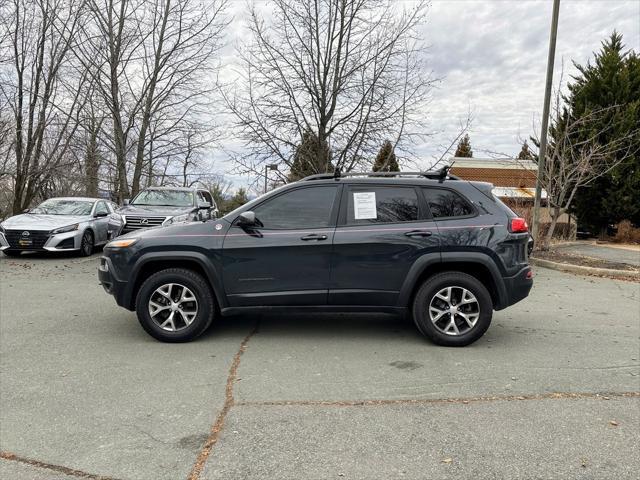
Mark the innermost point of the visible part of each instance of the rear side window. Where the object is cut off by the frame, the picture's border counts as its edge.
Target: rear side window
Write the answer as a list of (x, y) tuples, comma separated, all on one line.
[(369, 204), (446, 203), (301, 208)]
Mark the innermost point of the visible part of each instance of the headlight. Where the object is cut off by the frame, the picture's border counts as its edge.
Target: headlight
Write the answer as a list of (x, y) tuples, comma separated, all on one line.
[(1, 228), (116, 217), (123, 243), (69, 228), (185, 217)]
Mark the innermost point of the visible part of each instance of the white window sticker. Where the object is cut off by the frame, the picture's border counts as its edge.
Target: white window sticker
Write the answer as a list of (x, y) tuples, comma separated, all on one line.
[(364, 205)]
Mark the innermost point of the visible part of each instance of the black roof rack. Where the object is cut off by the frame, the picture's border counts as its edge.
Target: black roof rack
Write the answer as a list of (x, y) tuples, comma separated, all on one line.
[(441, 175)]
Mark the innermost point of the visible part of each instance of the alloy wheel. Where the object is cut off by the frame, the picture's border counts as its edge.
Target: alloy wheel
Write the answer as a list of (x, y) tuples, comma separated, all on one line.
[(87, 243), (454, 310), (173, 307)]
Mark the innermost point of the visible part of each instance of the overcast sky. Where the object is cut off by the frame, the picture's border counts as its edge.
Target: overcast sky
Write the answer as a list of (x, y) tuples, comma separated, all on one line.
[(491, 57)]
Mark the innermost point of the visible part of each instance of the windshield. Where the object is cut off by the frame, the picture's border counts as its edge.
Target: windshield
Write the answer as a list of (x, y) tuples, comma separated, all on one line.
[(64, 207), (169, 198)]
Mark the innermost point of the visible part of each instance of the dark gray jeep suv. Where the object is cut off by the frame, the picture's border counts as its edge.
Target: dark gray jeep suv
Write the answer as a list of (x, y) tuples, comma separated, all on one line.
[(443, 250)]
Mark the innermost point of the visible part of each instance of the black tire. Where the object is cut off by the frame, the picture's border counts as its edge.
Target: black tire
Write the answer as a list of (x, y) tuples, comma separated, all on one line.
[(12, 253), (427, 293), (87, 244), (206, 305)]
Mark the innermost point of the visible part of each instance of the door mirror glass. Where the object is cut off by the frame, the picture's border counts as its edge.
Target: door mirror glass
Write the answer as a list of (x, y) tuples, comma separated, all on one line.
[(125, 201), (246, 219)]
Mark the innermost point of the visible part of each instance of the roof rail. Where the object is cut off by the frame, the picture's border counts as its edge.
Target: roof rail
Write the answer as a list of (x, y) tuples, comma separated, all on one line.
[(441, 175)]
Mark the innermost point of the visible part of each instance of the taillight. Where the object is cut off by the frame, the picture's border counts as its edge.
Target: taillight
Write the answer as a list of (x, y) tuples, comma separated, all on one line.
[(518, 225)]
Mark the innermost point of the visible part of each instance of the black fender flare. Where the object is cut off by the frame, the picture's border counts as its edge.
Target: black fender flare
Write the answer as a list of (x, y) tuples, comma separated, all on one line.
[(419, 266), (200, 258), (451, 258)]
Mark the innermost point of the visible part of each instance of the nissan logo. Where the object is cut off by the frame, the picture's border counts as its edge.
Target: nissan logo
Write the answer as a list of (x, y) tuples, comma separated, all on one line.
[(144, 221), (25, 233)]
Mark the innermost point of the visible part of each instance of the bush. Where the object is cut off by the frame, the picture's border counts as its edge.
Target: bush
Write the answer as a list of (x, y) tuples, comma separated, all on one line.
[(627, 233), (563, 231)]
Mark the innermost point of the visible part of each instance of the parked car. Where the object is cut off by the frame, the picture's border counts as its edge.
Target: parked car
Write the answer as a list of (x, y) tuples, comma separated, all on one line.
[(443, 250), (157, 206), (59, 225)]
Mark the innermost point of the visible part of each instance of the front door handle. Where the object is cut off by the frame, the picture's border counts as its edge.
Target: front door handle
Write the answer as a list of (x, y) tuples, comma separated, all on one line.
[(313, 236), (418, 233)]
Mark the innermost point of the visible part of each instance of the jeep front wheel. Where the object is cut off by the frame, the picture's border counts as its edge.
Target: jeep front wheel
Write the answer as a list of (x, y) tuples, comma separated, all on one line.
[(175, 305), (452, 309)]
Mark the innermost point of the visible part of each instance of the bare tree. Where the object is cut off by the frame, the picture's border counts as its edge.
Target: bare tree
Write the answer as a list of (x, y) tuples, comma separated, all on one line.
[(37, 85), (152, 61), (178, 68), (575, 158), (348, 71), (113, 36)]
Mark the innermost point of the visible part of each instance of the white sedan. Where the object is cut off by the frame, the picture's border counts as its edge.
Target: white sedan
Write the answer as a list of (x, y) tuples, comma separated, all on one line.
[(59, 225)]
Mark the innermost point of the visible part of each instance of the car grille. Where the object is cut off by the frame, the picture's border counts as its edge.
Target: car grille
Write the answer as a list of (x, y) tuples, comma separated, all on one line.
[(37, 237), (136, 222)]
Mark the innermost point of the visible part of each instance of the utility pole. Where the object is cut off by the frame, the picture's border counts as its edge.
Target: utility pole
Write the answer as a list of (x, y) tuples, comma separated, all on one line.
[(545, 120), (273, 166)]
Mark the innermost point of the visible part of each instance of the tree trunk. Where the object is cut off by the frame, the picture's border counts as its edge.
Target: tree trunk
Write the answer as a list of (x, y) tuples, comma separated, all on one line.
[(92, 163), (555, 215)]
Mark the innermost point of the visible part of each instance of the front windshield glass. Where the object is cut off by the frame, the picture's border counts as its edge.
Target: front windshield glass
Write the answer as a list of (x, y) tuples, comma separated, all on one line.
[(64, 207), (169, 198)]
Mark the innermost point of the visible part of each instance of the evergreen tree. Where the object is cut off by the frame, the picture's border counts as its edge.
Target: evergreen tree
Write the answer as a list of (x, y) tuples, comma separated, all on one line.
[(386, 160), (525, 152), (237, 200), (611, 81), (464, 147), (311, 156)]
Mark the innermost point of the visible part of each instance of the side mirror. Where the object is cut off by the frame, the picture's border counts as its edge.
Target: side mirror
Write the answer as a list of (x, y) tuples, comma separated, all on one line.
[(125, 202), (100, 214), (246, 219), (26, 210), (203, 205)]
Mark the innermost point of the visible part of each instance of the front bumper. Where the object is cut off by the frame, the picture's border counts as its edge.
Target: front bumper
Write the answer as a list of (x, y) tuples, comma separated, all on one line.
[(112, 284), (42, 241)]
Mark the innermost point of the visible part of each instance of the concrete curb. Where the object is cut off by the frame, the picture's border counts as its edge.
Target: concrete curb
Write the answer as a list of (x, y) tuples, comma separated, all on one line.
[(582, 270)]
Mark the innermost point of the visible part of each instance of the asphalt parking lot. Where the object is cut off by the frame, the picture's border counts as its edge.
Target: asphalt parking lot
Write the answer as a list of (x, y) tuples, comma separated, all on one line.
[(551, 391)]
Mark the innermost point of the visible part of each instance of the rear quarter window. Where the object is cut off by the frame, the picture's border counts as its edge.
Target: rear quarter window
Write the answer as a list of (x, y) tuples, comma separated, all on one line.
[(445, 203)]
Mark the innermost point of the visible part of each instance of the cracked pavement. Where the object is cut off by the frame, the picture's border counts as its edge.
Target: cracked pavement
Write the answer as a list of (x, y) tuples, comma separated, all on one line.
[(551, 391)]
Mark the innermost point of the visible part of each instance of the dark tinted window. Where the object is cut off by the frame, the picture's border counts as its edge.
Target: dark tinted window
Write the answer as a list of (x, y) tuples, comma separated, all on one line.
[(446, 203), (301, 208), (382, 205)]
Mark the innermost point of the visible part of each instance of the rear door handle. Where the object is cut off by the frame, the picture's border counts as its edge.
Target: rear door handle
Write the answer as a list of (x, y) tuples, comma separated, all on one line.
[(313, 236), (418, 233)]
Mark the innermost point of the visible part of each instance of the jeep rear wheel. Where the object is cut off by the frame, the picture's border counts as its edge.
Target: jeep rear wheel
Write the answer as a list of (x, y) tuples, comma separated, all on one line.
[(452, 309), (175, 305)]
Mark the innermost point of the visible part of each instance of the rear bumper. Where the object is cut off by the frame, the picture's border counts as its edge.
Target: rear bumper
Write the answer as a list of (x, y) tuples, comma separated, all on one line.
[(517, 287), (112, 284)]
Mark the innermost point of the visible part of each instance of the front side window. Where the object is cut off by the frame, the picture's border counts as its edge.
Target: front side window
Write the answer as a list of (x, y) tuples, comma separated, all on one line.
[(446, 203), (207, 197), (169, 198), (382, 205), (102, 208), (302, 208)]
